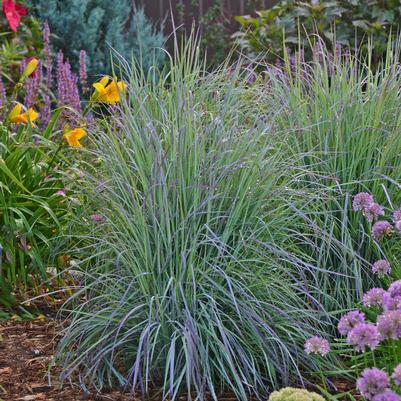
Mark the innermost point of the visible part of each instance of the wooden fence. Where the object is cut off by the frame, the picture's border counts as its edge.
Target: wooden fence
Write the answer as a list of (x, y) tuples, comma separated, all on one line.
[(186, 11)]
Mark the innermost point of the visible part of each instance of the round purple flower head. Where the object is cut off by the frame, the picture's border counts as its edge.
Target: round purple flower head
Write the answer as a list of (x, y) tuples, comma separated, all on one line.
[(382, 229), (364, 335), (387, 395), (373, 297), (361, 201), (391, 303), (381, 268), (395, 289), (397, 215), (349, 321), (97, 217), (372, 382), (317, 345), (373, 211), (61, 192), (389, 325), (396, 376)]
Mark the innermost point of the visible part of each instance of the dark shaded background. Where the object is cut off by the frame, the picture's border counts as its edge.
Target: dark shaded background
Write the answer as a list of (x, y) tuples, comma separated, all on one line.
[(185, 11)]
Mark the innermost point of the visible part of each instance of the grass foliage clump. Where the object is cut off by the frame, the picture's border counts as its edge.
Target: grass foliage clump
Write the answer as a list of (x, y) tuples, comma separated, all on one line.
[(342, 123), (228, 235), (186, 295)]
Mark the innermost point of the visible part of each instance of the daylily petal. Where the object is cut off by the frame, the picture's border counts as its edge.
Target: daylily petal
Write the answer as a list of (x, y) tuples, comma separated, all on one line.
[(99, 87), (122, 86), (30, 68), (73, 136), (15, 111), (33, 115), (104, 81)]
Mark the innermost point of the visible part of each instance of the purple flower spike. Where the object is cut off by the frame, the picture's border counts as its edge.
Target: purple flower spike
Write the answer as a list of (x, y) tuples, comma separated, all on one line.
[(381, 267), (362, 200), (374, 297), (83, 75), (317, 345), (372, 382), (46, 110), (396, 376), (382, 229), (3, 96), (349, 321), (67, 88), (48, 57), (387, 395), (389, 325), (364, 335)]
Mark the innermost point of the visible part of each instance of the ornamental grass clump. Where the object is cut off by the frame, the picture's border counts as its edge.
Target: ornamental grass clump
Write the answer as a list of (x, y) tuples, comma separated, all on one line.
[(182, 290), (342, 121)]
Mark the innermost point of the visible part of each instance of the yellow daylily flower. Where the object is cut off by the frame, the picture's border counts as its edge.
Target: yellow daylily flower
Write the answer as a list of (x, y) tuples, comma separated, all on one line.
[(17, 116), (29, 69), (109, 91), (73, 136)]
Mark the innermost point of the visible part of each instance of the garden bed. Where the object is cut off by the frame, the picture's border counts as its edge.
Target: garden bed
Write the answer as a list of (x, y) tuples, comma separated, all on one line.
[(26, 349)]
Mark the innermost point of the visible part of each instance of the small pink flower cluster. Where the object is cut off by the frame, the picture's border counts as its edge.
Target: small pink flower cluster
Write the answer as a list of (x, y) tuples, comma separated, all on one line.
[(374, 384), (363, 334), (317, 345), (365, 202)]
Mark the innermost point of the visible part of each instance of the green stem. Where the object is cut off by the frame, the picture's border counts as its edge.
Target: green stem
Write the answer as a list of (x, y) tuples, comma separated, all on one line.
[(322, 378)]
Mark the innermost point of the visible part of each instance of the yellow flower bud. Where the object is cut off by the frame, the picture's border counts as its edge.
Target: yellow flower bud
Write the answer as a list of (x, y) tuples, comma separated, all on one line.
[(29, 69)]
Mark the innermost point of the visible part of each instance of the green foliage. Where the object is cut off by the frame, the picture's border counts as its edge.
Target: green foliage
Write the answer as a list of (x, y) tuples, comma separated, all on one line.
[(31, 210), (216, 34), (342, 122), (99, 26), (14, 47), (294, 394), (186, 288), (347, 22)]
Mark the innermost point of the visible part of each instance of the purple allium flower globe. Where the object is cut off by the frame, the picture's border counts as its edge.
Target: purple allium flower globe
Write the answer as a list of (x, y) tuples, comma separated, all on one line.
[(396, 376), (390, 303), (373, 211), (397, 219), (387, 395), (395, 289), (373, 297), (317, 345), (364, 335), (389, 325), (381, 229), (362, 200), (61, 192), (381, 267), (349, 321), (97, 217), (373, 381)]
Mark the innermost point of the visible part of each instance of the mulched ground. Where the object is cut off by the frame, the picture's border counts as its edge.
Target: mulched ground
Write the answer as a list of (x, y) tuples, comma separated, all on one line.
[(26, 349)]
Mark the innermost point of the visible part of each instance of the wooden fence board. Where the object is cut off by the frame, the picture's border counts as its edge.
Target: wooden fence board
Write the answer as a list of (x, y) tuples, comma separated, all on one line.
[(185, 11)]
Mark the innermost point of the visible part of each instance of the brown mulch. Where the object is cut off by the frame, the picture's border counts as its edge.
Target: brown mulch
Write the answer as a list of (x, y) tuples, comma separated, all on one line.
[(26, 349)]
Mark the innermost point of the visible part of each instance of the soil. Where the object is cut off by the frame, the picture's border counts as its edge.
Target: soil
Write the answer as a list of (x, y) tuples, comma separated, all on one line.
[(26, 350)]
